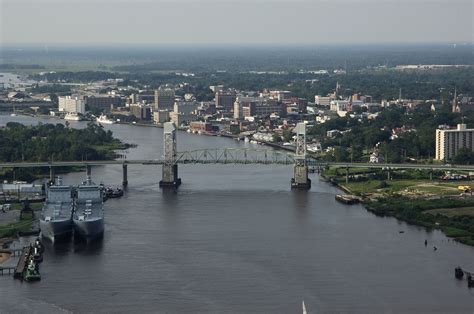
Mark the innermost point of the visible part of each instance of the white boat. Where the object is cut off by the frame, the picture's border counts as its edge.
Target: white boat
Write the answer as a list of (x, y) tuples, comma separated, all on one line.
[(72, 116), (103, 119), (13, 114)]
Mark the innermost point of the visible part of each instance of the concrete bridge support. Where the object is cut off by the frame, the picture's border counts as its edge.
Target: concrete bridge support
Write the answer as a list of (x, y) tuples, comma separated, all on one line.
[(88, 172), (51, 174), (125, 175), (170, 168), (300, 178)]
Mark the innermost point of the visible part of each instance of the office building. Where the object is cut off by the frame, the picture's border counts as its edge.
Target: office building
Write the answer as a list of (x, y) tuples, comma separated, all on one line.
[(140, 111), (103, 103), (164, 99), (225, 100), (161, 116)]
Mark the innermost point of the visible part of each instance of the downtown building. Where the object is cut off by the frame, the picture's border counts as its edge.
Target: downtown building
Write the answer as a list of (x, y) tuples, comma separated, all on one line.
[(258, 107), (225, 100), (164, 99), (103, 103), (71, 105), (449, 141)]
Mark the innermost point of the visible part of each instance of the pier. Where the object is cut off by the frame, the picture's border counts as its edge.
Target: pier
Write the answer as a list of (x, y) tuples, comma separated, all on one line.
[(22, 263)]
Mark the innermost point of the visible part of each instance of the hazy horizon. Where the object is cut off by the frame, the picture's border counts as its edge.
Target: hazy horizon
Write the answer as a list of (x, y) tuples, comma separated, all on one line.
[(230, 23)]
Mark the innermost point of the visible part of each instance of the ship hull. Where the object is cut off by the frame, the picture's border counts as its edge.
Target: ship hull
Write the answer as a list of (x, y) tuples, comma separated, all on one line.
[(56, 230), (89, 229)]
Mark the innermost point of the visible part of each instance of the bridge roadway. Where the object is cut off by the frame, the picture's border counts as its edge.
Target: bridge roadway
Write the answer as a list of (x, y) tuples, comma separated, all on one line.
[(310, 162)]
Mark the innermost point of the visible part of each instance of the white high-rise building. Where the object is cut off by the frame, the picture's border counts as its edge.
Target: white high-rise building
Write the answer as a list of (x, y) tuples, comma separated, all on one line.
[(70, 104), (449, 141)]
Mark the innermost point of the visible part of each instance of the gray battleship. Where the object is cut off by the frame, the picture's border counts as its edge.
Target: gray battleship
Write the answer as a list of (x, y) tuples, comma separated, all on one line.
[(56, 216), (88, 216)]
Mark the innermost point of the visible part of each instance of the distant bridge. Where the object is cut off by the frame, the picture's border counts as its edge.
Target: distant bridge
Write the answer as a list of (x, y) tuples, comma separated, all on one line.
[(171, 159)]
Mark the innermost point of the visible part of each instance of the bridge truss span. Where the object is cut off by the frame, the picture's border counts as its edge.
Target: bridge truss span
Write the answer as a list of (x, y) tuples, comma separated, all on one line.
[(235, 156)]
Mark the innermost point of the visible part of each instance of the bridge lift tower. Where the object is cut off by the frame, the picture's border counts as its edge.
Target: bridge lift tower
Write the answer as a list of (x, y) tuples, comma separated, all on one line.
[(300, 178), (170, 168)]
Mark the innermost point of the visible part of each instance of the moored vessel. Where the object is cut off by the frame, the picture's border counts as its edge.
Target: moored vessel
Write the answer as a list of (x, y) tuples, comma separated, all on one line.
[(56, 215), (72, 116), (103, 119), (88, 216)]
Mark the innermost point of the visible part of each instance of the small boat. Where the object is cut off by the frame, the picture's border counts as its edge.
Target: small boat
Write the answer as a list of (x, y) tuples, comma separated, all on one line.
[(103, 119), (113, 193), (32, 273), (13, 114), (72, 116)]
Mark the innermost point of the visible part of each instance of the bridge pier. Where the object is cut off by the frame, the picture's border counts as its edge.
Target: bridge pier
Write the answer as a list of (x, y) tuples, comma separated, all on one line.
[(170, 168), (88, 171), (300, 178), (51, 174), (125, 175), (347, 175)]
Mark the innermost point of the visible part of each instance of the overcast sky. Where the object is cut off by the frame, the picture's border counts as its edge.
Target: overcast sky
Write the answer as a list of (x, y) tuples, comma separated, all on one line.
[(235, 21)]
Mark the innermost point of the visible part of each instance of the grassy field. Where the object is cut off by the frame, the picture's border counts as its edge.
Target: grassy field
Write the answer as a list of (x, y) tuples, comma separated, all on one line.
[(11, 229), (452, 212), (406, 187)]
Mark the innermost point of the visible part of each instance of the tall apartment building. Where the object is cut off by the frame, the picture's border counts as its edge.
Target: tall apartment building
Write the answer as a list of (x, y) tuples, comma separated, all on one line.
[(449, 141), (225, 100), (164, 99), (71, 104)]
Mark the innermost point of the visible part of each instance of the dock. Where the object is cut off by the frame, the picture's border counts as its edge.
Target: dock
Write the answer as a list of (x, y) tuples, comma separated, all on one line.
[(22, 262)]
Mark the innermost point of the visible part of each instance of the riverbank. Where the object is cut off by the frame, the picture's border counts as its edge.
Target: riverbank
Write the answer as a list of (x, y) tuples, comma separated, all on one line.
[(429, 203)]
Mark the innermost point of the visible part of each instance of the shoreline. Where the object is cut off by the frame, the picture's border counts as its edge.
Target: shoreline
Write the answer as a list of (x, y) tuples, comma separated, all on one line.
[(427, 224), (365, 201)]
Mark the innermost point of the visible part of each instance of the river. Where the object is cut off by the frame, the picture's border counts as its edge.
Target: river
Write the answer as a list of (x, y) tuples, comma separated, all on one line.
[(235, 238)]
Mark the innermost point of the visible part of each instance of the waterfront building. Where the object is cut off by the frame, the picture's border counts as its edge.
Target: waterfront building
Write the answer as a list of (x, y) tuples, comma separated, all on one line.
[(185, 107), (161, 116), (140, 111), (71, 104), (181, 118), (201, 126), (103, 103), (449, 141), (164, 99), (225, 100)]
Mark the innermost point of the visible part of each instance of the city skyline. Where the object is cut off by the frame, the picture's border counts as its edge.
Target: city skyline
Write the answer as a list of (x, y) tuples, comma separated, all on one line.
[(239, 22)]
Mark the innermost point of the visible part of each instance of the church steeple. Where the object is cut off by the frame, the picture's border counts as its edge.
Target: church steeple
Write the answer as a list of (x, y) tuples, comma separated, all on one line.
[(455, 101)]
